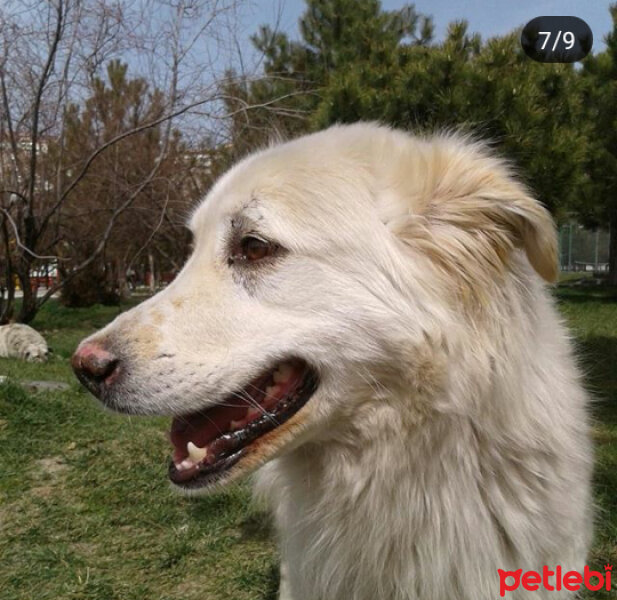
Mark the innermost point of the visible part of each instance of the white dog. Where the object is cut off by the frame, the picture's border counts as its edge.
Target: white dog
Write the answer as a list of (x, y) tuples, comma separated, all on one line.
[(364, 315), (21, 341)]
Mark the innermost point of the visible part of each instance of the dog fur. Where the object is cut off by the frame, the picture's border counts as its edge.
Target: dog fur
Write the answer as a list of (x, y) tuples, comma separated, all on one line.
[(21, 341), (449, 436)]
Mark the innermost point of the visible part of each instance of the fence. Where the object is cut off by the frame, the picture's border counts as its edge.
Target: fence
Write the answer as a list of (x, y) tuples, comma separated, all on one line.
[(582, 249)]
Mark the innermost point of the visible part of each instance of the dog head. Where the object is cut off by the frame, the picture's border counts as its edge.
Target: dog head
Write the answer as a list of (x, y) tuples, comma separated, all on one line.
[(36, 353), (327, 279)]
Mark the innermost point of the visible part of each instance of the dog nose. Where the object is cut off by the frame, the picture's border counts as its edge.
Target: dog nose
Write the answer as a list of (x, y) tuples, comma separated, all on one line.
[(94, 366)]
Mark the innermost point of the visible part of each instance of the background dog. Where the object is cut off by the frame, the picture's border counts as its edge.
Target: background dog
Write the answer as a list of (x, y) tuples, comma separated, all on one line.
[(364, 311), (21, 341)]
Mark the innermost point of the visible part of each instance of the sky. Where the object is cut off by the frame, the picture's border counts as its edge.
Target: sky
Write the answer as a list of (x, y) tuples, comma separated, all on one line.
[(487, 17)]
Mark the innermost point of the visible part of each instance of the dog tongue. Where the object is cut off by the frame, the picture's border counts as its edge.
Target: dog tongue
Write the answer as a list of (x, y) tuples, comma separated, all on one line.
[(203, 427)]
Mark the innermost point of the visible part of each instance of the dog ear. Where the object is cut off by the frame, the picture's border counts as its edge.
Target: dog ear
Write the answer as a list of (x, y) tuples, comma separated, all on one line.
[(467, 211), (535, 227), (508, 217)]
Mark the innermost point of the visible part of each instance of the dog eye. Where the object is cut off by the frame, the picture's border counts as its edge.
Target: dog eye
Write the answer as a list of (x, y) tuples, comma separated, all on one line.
[(251, 249), (254, 249)]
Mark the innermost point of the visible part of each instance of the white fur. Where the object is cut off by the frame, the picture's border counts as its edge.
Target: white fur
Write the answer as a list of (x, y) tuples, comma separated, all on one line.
[(21, 341), (448, 437)]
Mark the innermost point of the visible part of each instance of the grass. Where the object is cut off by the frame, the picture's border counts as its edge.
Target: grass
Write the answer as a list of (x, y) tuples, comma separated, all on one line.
[(86, 512), (592, 316), (85, 507)]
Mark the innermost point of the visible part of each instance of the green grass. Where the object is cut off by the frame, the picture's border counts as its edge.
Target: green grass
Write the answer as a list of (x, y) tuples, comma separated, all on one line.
[(86, 511), (592, 316), (85, 508)]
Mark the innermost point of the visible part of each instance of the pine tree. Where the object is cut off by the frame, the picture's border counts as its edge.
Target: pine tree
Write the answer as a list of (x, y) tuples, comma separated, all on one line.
[(598, 203), (336, 36)]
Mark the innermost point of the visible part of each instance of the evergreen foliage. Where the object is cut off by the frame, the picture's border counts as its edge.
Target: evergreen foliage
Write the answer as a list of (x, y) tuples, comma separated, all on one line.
[(355, 61)]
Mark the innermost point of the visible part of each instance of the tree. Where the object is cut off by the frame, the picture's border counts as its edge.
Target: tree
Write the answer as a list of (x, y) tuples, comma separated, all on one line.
[(356, 61), (51, 54), (117, 105), (598, 201), (532, 113), (336, 35)]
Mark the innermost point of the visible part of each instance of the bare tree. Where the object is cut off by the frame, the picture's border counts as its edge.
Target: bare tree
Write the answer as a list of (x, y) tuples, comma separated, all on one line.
[(51, 51)]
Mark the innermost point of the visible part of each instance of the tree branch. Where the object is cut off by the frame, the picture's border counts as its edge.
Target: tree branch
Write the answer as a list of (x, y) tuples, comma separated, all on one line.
[(18, 240), (36, 110)]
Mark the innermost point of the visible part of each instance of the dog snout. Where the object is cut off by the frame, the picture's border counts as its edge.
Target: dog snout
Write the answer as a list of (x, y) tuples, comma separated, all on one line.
[(96, 367)]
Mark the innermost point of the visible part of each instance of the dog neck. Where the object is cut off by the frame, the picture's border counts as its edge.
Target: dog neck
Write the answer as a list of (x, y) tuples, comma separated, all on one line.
[(384, 500)]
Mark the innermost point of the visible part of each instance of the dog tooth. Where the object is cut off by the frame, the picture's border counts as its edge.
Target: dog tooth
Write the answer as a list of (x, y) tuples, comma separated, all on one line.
[(272, 390), (196, 454), (235, 425), (283, 373), (187, 463)]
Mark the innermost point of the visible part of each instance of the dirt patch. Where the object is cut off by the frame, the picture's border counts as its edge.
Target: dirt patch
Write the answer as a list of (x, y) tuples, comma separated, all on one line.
[(42, 491), (52, 466), (47, 474)]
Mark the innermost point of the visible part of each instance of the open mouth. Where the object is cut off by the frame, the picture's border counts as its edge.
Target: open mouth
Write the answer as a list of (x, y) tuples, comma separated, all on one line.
[(209, 442)]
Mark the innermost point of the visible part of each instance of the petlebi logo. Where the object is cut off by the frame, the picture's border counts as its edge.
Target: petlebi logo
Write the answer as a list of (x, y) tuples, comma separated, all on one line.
[(556, 580)]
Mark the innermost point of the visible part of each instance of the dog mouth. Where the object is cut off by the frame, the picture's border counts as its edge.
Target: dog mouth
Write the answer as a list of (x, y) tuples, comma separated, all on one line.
[(208, 443)]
